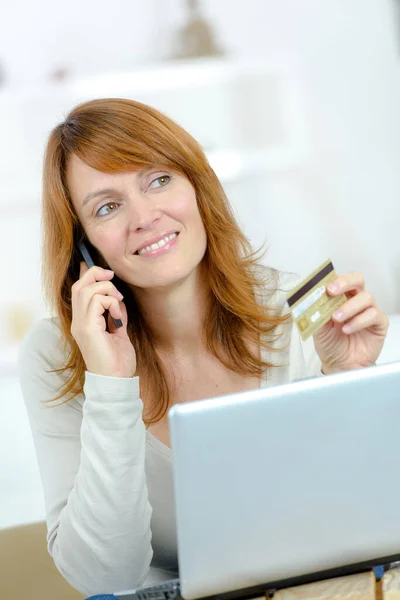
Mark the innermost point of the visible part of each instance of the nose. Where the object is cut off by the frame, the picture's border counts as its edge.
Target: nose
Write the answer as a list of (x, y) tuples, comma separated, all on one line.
[(143, 213)]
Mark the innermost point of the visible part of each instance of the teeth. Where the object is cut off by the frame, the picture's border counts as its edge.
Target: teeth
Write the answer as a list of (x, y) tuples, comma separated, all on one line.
[(159, 244)]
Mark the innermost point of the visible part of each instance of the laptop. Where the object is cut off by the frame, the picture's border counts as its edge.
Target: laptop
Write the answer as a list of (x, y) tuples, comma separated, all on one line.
[(285, 485)]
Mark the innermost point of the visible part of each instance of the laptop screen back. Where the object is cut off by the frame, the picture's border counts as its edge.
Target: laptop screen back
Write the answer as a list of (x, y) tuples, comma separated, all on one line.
[(281, 482)]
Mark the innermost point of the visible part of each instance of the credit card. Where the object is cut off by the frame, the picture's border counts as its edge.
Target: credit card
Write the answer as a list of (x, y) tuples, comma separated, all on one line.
[(309, 302)]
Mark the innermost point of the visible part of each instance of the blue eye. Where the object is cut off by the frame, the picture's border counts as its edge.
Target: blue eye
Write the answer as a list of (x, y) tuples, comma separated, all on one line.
[(162, 181), (110, 206)]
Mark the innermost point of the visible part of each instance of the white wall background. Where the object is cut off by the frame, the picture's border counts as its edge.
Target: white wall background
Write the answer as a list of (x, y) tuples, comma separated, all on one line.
[(333, 188), (343, 56)]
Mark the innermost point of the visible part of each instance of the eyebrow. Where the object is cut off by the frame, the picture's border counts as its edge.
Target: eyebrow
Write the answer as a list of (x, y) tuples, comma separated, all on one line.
[(106, 191), (92, 195)]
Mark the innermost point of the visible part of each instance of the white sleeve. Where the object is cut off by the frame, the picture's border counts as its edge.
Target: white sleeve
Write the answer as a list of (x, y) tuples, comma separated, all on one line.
[(91, 455)]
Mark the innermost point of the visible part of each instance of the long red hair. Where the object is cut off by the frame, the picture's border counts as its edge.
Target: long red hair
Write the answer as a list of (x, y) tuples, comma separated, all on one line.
[(116, 135)]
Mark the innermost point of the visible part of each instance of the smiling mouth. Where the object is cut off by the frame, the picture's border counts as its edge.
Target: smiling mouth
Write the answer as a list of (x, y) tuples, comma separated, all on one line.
[(158, 244)]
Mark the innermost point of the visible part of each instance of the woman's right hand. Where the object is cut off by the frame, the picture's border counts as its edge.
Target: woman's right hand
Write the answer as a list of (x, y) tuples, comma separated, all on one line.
[(105, 353)]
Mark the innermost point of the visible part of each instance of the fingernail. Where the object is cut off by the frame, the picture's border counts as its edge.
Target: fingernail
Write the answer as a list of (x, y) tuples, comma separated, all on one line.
[(332, 287), (120, 296), (338, 315), (347, 329)]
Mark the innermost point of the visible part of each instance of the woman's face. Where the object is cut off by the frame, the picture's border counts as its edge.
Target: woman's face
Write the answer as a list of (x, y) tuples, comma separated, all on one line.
[(145, 224)]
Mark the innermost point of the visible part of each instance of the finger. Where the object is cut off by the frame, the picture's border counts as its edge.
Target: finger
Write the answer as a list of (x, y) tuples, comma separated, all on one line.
[(354, 306), (115, 310), (99, 305), (82, 268), (94, 274), (90, 276), (350, 282), (100, 287), (111, 325), (85, 283), (371, 317)]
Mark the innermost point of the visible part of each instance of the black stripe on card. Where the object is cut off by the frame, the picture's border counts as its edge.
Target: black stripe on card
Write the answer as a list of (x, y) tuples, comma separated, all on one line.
[(310, 284)]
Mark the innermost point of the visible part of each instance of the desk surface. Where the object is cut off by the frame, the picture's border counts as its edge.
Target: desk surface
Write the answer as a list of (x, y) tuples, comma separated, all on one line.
[(351, 587)]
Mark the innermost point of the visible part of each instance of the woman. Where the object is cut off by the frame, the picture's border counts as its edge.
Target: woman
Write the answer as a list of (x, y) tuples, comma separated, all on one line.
[(200, 318)]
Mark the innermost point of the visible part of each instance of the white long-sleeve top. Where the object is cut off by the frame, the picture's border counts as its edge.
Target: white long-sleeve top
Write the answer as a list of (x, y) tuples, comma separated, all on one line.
[(107, 481)]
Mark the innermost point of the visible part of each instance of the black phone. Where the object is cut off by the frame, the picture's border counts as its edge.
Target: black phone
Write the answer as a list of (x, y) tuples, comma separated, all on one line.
[(89, 261)]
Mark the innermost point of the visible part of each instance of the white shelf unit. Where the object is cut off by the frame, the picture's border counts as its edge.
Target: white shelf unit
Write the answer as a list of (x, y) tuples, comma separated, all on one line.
[(247, 116)]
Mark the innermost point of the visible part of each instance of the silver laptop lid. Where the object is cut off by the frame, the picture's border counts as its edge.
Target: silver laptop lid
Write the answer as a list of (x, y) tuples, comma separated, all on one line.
[(281, 482)]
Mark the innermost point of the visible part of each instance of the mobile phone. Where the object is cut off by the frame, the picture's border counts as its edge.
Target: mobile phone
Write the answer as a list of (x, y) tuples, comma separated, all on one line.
[(89, 261)]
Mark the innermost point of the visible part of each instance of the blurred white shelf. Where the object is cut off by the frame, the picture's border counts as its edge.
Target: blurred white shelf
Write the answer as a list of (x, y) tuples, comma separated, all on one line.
[(16, 199), (233, 165), (167, 75), (246, 115)]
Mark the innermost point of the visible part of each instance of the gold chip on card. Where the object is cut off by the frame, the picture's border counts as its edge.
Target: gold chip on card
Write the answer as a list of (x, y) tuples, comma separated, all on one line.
[(309, 302)]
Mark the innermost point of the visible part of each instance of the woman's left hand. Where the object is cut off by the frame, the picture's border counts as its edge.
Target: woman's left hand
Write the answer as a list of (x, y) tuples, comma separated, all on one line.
[(354, 336)]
